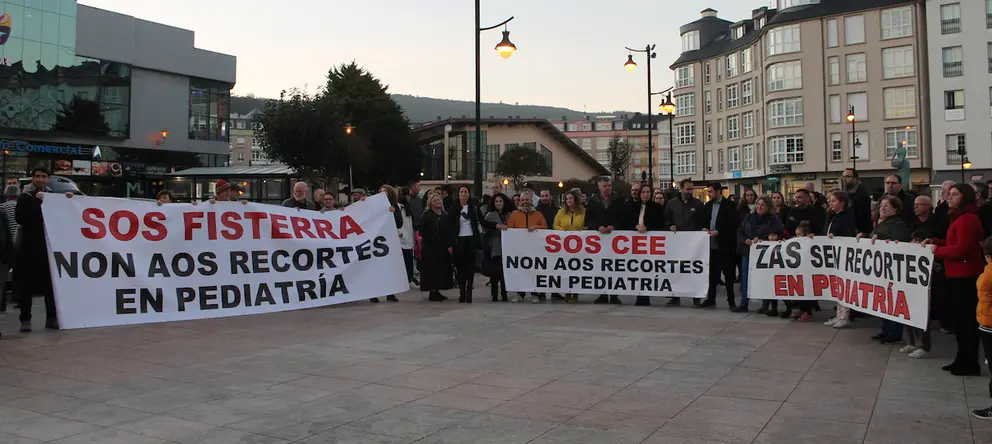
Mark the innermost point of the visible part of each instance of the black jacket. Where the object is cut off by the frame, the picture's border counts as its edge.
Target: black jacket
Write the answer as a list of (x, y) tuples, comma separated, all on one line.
[(760, 227), (908, 200), (686, 215), (726, 224), (654, 219), (548, 211), (861, 208), (942, 221), (603, 214), (930, 228), (894, 229), (31, 275), (812, 213), (455, 213), (841, 224)]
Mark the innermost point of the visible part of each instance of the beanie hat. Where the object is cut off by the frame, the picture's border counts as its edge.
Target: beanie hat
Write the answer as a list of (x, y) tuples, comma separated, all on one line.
[(222, 186)]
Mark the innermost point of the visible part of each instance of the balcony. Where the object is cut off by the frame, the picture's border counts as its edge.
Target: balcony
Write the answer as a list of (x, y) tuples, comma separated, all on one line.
[(950, 26), (953, 69)]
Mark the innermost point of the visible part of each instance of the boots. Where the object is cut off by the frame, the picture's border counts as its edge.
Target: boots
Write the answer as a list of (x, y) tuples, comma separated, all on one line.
[(461, 292), (468, 289), (436, 296)]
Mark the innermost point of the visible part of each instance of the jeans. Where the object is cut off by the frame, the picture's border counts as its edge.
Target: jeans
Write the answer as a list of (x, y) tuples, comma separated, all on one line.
[(744, 277), (892, 330)]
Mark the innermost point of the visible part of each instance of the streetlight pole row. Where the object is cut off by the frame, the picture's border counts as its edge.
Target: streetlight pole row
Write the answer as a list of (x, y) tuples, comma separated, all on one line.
[(855, 143), (667, 106), (505, 49)]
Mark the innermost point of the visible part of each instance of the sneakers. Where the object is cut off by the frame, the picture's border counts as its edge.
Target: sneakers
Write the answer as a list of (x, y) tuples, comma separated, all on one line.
[(805, 317), (795, 314), (517, 299), (842, 323), (985, 414), (907, 349), (830, 322), (535, 300), (919, 354)]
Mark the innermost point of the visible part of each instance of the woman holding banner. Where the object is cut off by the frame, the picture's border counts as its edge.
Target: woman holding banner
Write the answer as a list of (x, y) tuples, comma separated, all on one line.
[(463, 218), (495, 223), (571, 217), (761, 225), (436, 240), (890, 227), (841, 223), (643, 215), (964, 261)]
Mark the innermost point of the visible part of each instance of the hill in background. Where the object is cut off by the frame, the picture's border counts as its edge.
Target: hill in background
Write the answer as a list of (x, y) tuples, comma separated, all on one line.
[(426, 109)]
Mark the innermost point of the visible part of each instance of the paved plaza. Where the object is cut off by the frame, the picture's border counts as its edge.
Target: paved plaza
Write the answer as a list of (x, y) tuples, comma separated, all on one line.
[(484, 373)]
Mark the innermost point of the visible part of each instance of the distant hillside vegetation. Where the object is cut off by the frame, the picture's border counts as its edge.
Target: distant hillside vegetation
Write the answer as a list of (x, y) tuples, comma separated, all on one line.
[(426, 109)]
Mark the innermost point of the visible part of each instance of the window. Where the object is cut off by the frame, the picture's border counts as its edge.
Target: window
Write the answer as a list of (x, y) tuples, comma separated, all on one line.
[(709, 161), (733, 96), (857, 68), (782, 4), (490, 158), (787, 112), (747, 92), (572, 127), (241, 157), (953, 61), (548, 159), (988, 14), (897, 62), (955, 146), (759, 23), (707, 73), (747, 152), (782, 76), (560, 127), (747, 124), (241, 124), (836, 150), (719, 99), (719, 130), (834, 112), (954, 99), (783, 40), (738, 32), (602, 142), (683, 76), (587, 127), (241, 140), (854, 29), (587, 144), (990, 57), (685, 104), (709, 131), (786, 150), (900, 102), (832, 33), (618, 125), (685, 133), (209, 109), (734, 127), (709, 101), (719, 68), (603, 157), (731, 65), (833, 71), (897, 22), (719, 161), (746, 60), (690, 41), (859, 101), (604, 126), (950, 18), (734, 158), (685, 163), (896, 137)]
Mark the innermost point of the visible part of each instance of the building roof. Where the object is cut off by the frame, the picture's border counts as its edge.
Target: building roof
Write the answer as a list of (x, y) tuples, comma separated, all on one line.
[(724, 43), (643, 118), (543, 124), (237, 171)]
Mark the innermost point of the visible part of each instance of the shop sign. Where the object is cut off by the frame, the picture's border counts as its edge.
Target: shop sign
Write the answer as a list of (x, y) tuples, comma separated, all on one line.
[(61, 149), (780, 169)]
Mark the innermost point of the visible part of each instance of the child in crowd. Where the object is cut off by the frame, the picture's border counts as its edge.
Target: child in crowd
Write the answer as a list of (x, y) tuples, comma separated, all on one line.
[(917, 340), (984, 315), (800, 310)]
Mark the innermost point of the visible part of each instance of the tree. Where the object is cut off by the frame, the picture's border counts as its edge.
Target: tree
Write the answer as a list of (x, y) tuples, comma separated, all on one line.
[(306, 133), (381, 132), (619, 153), (519, 162), (81, 116)]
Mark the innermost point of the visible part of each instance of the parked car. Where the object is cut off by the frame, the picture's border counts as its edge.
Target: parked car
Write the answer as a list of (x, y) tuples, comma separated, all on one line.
[(58, 184)]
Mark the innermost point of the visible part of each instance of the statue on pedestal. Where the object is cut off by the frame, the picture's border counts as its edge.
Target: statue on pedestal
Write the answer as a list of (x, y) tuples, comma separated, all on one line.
[(901, 164)]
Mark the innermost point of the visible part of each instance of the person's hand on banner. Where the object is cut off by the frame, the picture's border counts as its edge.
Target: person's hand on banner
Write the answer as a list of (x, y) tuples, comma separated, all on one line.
[(748, 242), (830, 236), (40, 195), (531, 229), (602, 230), (859, 236), (451, 250), (712, 233), (68, 195), (926, 242), (501, 227), (642, 229), (609, 229), (874, 238), (673, 228), (391, 209)]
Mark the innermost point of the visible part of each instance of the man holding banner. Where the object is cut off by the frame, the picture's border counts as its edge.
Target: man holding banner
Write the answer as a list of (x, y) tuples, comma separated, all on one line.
[(722, 229), (31, 271)]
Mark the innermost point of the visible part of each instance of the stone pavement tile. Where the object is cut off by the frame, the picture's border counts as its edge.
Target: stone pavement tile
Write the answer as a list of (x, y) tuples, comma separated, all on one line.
[(913, 432), (647, 423), (736, 411), (775, 360), (48, 403), (288, 427), (541, 412), (223, 435), (238, 383), (100, 392), (491, 429), (10, 414), (911, 393), (770, 392), (459, 402), (889, 411), (104, 415), (702, 430), (210, 413), (45, 428), (543, 366), (327, 384), (810, 429), (7, 438), (151, 403), (529, 382), (390, 392), (482, 390), (607, 375), (814, 392), (854, 410), (195, 392), (409, 424), (355, 402), (568, 394), (633, 401), (164, 427), (292, 393), (373, 371), (345, 436), (12, 392), (584, 435), (431, 379), (255, 403), (108, 436)]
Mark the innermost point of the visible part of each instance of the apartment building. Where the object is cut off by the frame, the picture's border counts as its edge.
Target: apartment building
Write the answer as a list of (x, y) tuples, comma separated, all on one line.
[(959, 35), (593, 133), (763, 102), (637, 137)]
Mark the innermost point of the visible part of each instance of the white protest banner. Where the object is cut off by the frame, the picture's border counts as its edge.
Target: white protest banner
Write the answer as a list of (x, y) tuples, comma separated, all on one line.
[(885, 279), (119, 261), (623, 262)]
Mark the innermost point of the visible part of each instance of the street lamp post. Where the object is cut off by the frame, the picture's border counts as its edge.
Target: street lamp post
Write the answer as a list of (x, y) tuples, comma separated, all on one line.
[(630, 65), (505, 48), (965, 163), (348, 129), (855, 143), (669, 108)]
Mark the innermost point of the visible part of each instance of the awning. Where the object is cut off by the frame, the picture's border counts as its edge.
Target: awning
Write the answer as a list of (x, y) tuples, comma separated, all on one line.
[(970, 175)]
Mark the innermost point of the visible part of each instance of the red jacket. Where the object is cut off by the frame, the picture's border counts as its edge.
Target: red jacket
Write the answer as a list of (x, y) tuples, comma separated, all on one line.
[(962, 250)]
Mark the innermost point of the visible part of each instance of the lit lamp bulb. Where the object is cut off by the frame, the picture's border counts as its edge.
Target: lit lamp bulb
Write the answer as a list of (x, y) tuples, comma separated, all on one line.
[(505, 47), (630, 65), (966, 164), (850, 117), (561, 184), (506, 181)]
